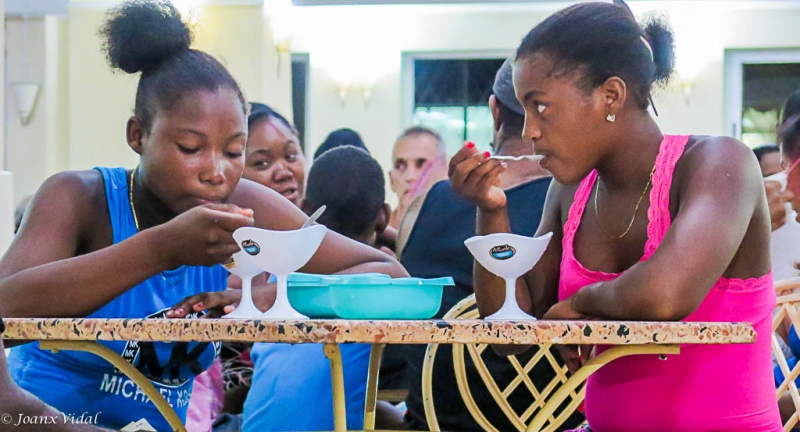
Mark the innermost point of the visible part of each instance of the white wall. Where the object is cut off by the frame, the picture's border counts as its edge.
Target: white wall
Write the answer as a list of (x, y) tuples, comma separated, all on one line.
[(86, 105), (56, 94), (101, 101), (382, 33), (26, 152)]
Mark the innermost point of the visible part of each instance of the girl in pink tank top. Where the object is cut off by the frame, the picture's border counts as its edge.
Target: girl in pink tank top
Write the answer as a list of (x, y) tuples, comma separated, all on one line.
[(730, 382), (677, 227)]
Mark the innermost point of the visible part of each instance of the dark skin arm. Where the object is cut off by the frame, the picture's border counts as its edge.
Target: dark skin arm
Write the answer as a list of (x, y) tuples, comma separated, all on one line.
[(722, 184), (61, 258), (46, 260), (336, 255)]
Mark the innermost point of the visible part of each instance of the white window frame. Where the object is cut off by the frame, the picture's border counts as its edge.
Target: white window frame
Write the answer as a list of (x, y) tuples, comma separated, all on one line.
[(735, 59), (407, 68)]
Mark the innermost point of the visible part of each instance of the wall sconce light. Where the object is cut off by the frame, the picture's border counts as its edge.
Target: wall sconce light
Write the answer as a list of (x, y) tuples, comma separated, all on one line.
[(280, 13), (342, 94), (687, 87), (25, 96), (283, 46), (365, 90), (25, 93), (691, 59)]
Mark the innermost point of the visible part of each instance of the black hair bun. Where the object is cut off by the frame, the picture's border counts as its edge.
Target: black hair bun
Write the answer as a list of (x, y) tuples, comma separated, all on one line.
[(141, 34), (661, 40)]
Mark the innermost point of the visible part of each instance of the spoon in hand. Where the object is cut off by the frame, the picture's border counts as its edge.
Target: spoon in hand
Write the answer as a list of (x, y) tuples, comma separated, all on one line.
[(519, 158)]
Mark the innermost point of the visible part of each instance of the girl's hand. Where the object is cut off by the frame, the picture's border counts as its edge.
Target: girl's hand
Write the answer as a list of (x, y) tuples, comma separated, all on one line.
[(202, 236), (216, 303), (564, 311), (574, 356), (224, 302), (776, 200), (475, 178)]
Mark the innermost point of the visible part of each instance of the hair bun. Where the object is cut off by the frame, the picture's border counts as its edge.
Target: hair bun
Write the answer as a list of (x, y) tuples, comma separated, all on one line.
[(141, 34), (662, 42)]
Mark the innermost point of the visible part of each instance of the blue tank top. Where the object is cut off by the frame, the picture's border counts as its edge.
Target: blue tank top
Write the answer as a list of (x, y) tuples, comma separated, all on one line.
[(76, 382)]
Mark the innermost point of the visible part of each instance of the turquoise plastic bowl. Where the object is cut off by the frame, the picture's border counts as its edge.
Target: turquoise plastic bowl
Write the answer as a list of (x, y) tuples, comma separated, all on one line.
[(366, 296), (309, 295)]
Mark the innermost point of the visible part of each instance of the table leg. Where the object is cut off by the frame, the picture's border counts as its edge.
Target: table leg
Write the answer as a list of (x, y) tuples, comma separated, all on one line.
[(589, 368), (372, 385), (131, 372), (427, 388), (334, 355)]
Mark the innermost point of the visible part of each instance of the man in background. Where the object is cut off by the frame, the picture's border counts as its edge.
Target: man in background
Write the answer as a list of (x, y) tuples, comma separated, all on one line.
[(419, 160)]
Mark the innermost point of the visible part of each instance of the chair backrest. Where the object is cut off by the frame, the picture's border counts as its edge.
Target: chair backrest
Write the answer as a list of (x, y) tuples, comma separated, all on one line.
[(787, 314), (466, 309)]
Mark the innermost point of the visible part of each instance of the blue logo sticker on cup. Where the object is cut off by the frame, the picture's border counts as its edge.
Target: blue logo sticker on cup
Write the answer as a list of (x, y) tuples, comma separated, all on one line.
[(502, 252), (251, 247)]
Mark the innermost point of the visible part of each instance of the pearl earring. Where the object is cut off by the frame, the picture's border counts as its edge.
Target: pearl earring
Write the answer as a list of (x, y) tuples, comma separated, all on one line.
[(611, 117)]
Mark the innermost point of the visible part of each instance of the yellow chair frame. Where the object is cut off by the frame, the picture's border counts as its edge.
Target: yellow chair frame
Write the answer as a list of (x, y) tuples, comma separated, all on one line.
[(787, 307), (466, 310)]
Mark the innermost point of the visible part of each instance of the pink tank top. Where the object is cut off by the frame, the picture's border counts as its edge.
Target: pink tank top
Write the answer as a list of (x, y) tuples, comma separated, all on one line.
[(706, 387)]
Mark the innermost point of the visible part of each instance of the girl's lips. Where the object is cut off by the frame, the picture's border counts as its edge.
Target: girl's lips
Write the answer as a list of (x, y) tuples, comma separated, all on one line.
[(290, 194), (544, 160)]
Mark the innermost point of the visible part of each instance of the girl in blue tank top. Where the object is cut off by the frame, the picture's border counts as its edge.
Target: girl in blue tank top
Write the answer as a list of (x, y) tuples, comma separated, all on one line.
[(116, 243)]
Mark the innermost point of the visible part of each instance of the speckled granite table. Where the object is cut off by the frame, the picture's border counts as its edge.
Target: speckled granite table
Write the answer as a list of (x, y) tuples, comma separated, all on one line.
[(384, 332), (631, 337)]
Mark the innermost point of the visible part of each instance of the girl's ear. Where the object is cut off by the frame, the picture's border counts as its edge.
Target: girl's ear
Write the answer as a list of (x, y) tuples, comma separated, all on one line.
[(613, 94), (382, 220), (135, 133)]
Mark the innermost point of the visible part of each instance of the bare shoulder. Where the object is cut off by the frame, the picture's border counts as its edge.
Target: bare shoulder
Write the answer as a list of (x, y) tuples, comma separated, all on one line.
[(68, 215), (718, 151), (718, 162), (73, 192)]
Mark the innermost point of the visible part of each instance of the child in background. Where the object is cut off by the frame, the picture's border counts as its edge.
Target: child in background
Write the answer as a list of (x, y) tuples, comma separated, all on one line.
[(349, 182)]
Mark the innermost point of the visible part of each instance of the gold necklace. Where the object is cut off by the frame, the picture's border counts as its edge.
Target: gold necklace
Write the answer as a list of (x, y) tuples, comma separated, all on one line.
[(178, 276), (635, 210), (130, 197)]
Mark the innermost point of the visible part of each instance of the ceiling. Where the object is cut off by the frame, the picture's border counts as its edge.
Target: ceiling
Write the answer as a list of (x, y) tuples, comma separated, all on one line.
[(35, 7), (527, 2)]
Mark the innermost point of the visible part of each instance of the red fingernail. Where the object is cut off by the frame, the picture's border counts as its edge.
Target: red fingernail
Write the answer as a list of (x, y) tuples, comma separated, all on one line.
[(487, 154), (470, 144)]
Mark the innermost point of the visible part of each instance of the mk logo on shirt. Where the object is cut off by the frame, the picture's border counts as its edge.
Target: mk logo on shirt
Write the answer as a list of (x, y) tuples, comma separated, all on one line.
[(170, 363)]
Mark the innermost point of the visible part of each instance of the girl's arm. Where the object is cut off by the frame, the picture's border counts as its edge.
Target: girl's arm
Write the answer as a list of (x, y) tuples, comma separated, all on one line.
[(336, 254), (42, 275), (722, 216)]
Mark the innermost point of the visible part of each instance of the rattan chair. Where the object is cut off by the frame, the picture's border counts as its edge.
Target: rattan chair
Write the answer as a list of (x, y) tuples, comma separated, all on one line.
[(787, 311), (466, 309)]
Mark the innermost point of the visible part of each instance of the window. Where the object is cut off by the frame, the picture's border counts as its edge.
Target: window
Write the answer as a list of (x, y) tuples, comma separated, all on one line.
[(757, 84), (766, 87), (451, 96)]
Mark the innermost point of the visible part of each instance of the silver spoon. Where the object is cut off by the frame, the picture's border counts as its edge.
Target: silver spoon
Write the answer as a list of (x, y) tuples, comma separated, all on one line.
[(313, 218), (519, 158)]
